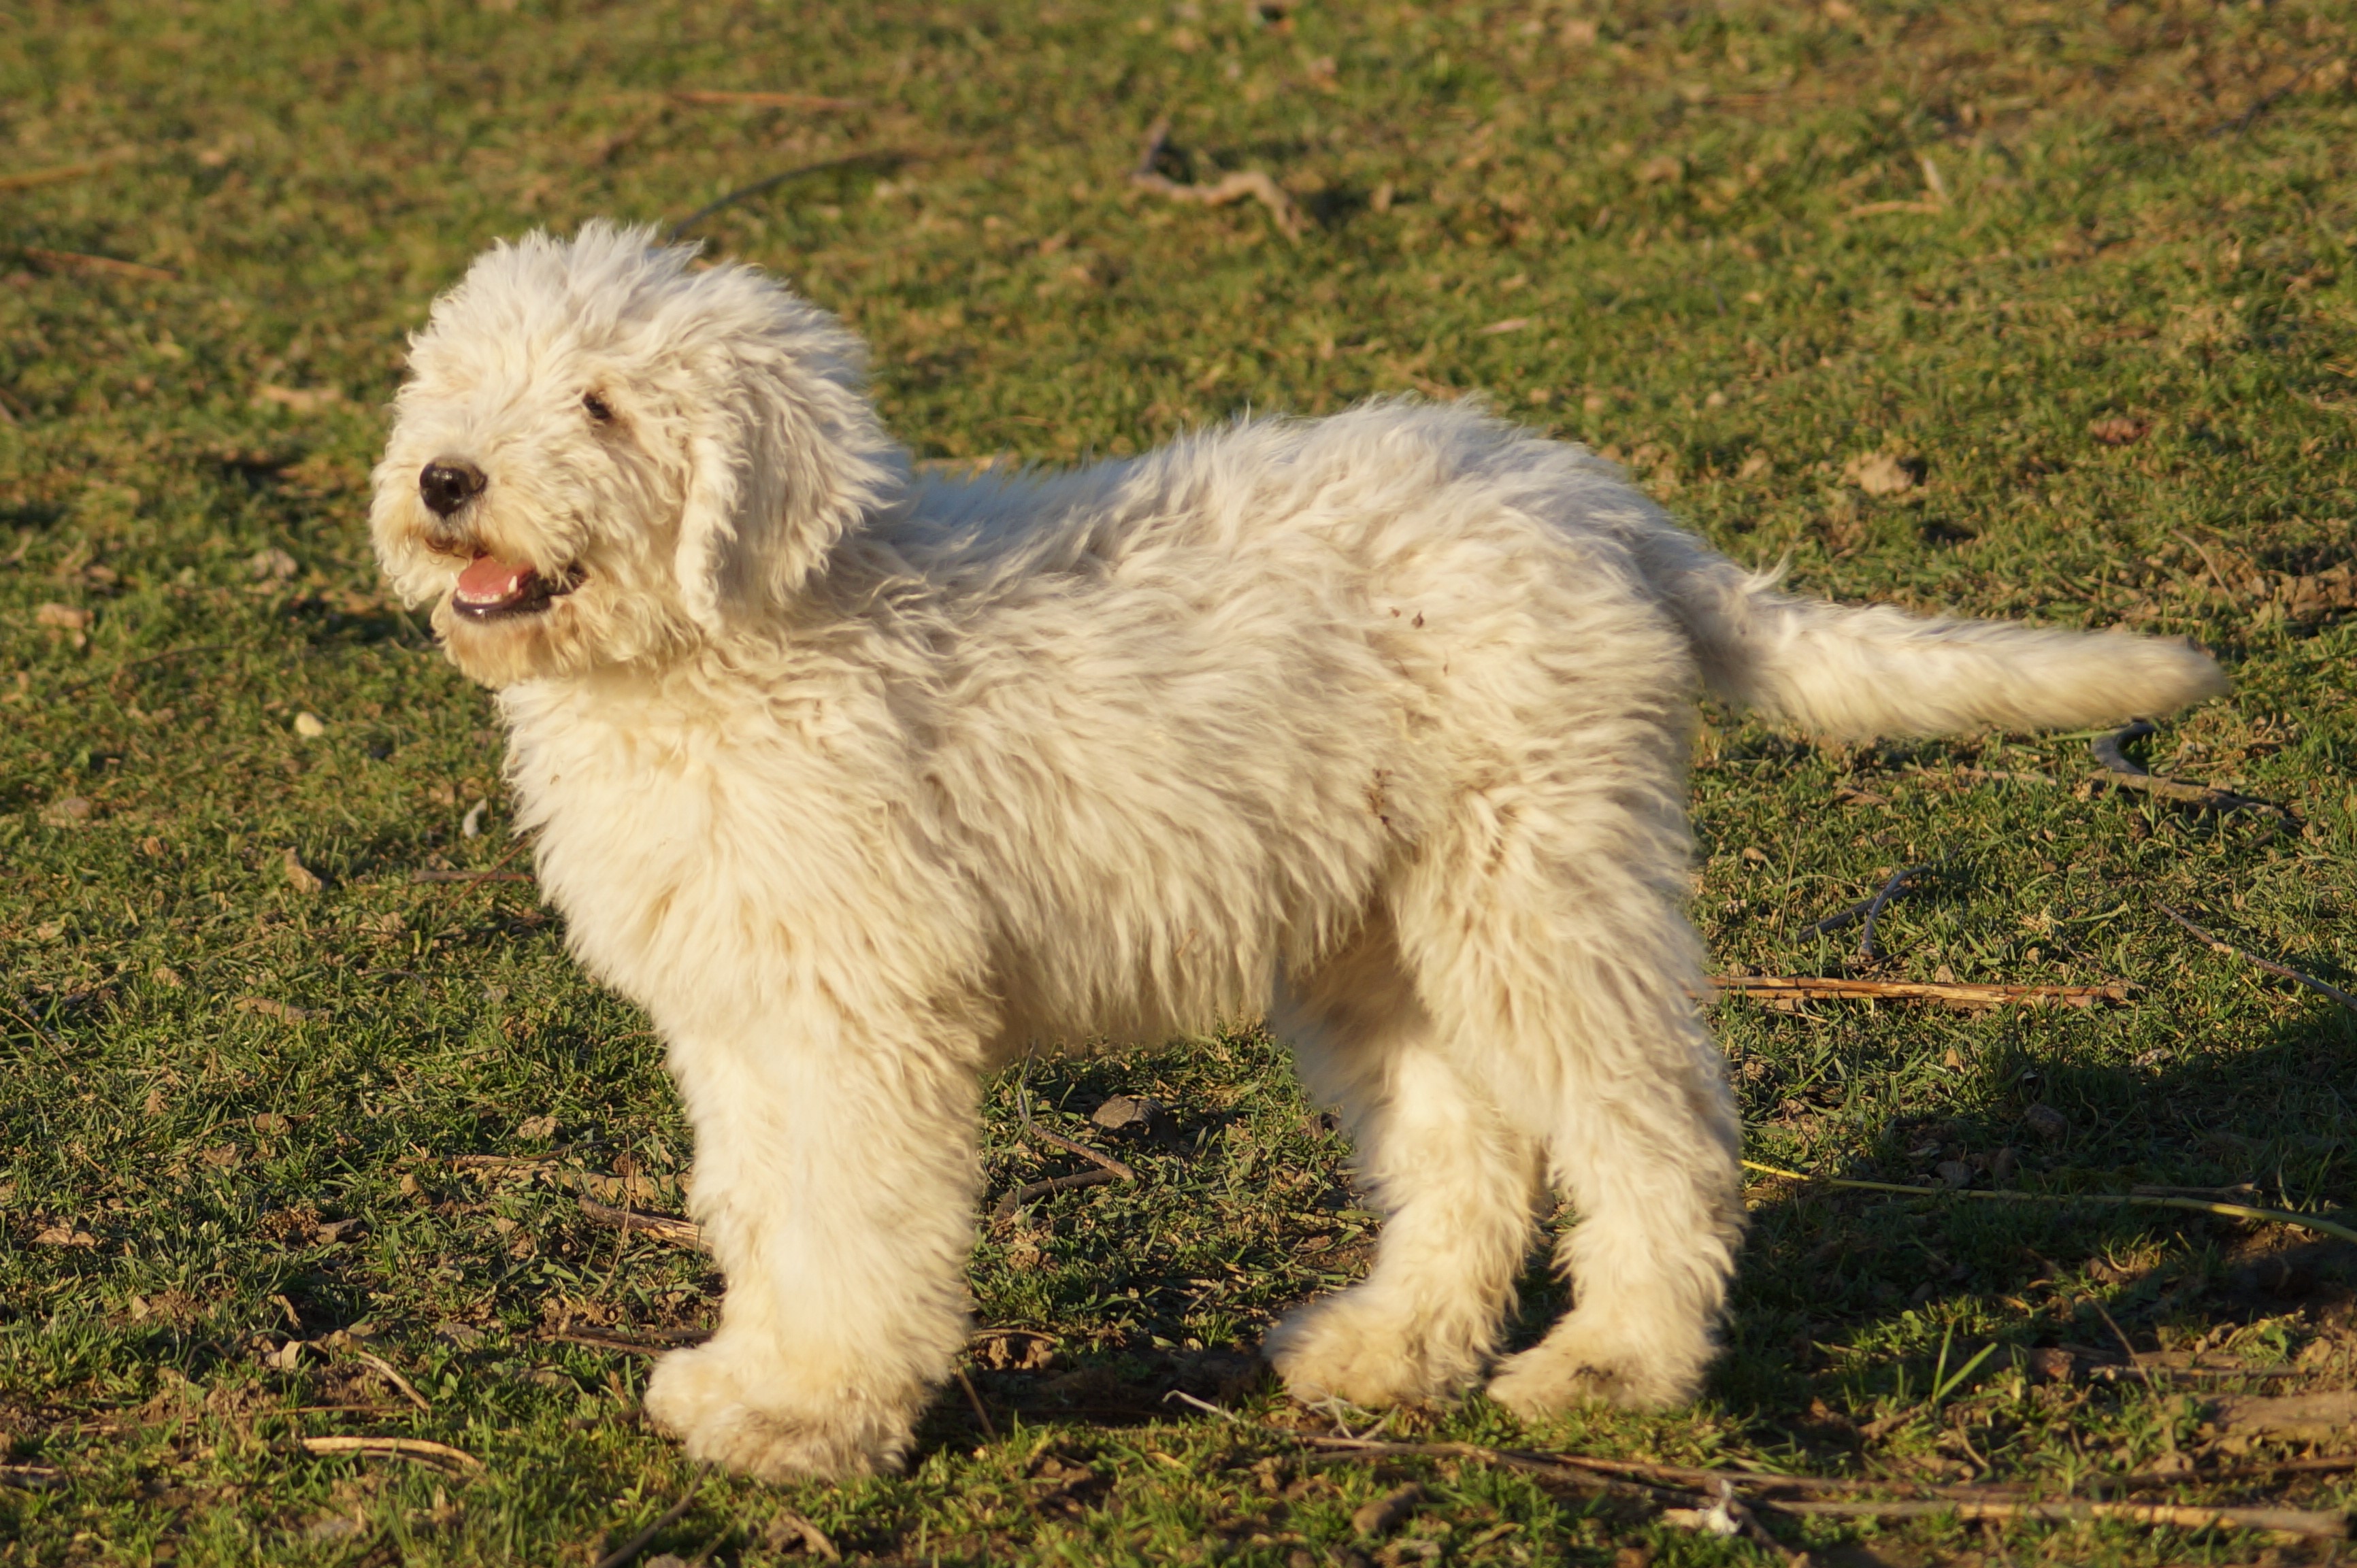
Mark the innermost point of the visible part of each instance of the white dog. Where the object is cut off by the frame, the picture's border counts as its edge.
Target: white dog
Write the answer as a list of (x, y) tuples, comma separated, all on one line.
[(863, 782)]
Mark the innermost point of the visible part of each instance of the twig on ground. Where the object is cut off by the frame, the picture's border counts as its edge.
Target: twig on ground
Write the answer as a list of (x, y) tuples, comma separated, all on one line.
[(717, 99), (1871, 909), (1617, 1477), (130, 664), (398, 1447), (1952, 994), (1074, 1147), (638, 1543), (2332, 1526), (1008, 1204), (989, 1429), (884, 162), (814, 1540), (1231, 187), (654, 1342), (384, 1370), (2138, 1201), (2219, 945), (663, 1227), (59, 173), (2120, 769), (77, 262), (421, 877)]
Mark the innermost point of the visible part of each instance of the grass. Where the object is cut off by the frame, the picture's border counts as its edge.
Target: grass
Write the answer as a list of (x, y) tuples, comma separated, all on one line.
[(2084, 274)]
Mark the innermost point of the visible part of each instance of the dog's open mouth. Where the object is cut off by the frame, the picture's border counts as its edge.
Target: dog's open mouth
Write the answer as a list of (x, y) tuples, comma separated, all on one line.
[(493, 589)]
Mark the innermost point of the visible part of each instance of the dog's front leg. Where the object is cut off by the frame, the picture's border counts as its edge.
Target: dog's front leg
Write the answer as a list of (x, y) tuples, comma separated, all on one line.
[(836, 1184)]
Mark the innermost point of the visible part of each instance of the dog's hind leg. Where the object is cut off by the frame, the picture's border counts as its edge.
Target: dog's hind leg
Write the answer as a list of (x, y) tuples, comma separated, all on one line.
[(1549, 938), (1455, 1180), (834, 1181)]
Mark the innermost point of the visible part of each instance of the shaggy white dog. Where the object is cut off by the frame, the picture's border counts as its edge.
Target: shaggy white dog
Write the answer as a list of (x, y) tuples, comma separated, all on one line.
[(863, 782)]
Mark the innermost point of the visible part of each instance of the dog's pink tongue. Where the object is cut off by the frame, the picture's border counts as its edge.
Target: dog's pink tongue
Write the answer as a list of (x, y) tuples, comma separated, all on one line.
[(488, 580)]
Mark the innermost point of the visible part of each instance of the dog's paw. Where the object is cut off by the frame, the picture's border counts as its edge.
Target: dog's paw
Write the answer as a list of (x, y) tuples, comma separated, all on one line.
[(1578, 1364), (1352, 1348), (742, 1415)]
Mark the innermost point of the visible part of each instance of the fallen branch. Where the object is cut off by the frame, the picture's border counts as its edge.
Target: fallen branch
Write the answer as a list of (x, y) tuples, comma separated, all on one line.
[(2219, 945), (2122, 770), (2137, 1201), (663, 1227), (1231, 187), (77, 262), (1871, 909), (1772, 988), (395, 1447)]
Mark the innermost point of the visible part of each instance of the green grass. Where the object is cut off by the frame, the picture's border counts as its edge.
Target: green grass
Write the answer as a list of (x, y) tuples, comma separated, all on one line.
[(1716, 227)]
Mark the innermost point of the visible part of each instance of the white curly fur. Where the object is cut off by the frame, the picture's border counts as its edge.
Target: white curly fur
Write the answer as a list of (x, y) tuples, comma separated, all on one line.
[(862, 782)]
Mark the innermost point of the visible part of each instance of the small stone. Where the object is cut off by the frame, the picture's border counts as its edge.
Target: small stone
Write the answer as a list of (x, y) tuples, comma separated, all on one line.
[(1955, 1173), (2004, 1163), (1125, 1113), (2047, 1122), (310, 726)]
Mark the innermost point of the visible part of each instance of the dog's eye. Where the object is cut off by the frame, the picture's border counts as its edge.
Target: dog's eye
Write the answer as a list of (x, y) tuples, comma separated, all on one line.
[(597, 407)]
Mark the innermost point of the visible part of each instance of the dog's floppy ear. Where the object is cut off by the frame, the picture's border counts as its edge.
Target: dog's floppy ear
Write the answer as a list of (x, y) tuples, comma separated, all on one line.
[(784, 453)]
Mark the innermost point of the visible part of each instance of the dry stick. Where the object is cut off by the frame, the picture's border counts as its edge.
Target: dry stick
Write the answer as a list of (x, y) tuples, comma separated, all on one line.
[(2283, 1521), (638, 1543), (1073, 1146), (1006, 1206), (426, 877), (383, 1369), (883, 162), (1600, 1475), (2123, 772), (679, 1232), (2219, 945), (1231, 187), (61, 173), (1871, 908), (75, 261), (2140, 1200), (974, 1399), (712, 98), (402, 1447), (1955, 994)]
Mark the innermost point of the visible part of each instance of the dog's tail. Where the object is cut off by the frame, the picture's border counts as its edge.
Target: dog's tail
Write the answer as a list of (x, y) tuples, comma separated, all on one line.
[(1851, 674)]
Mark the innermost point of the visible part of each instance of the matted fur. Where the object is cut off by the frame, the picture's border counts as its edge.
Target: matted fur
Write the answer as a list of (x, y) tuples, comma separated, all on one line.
[(862, 782)]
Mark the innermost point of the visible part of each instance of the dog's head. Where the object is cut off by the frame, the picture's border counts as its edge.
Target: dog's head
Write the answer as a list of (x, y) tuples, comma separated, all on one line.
[(604, 456)]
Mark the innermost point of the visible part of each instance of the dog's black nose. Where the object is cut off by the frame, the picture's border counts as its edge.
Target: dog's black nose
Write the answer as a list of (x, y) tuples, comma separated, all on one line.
[(449, 484)]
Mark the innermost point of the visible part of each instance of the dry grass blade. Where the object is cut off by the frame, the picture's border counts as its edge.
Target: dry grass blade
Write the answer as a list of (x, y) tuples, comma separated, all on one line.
[(663, 1227), (2137, 1200), (397, 1447), (2219, 945), (1952, 993)]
